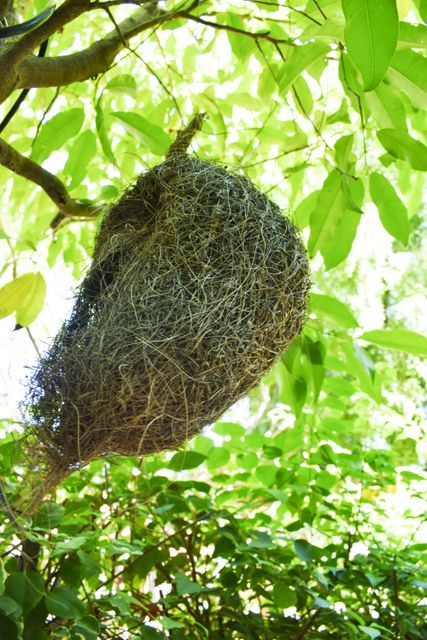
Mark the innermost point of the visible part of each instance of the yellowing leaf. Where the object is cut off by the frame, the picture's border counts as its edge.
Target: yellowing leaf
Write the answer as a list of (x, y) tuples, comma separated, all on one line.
[(25, 295)]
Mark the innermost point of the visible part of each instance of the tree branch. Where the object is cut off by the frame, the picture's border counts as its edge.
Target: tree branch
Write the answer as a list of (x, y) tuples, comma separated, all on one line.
[(77, 67), (228, 27), (54, 188)]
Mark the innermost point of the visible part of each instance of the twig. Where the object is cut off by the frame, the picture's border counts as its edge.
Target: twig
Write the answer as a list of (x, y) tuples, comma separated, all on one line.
[(228, 27), (185, 136)]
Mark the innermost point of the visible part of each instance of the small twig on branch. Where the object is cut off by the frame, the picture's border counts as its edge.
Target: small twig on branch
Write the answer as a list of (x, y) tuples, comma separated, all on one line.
[(53, 187), (185, 136), (228, 27)]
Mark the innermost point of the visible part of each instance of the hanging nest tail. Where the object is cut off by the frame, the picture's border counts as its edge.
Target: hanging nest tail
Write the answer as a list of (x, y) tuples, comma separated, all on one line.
[(197, 284)]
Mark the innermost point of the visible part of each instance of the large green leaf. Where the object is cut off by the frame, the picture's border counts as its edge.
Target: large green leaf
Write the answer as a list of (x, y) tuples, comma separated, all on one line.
[(153, 136), (391, 209), (25, 588), (300, 59), (186, 586), (333, 308), (399, 339), (371, 30), (81, 153), (241, 45), (408, 72), (123, 83), (56, 132), (102, 122), (334, 220), (387, 107), (401, 145), (25, 295), (186, 460), (412, 36), (64, 603)]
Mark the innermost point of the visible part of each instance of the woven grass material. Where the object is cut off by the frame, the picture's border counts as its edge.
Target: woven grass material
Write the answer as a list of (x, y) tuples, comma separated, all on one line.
[(197, 285)]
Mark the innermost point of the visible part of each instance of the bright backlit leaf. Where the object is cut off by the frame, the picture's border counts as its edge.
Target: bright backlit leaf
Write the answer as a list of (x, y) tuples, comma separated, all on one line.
[(392, 211), (300, 59), (333, 308), (81, 153), (56, 132), (152, 135), (186, 460), (398, 339), (401, 145), (371, 30)]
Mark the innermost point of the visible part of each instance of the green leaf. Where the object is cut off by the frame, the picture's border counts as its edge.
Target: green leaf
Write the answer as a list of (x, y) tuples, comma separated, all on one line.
[(149, 633), (371, 30), (241, 45), (88, 627), (304, 210), (332, 219), (102, 126), (284, 596), (412, 36), (56, 132), (2, 577), (266, 474), (408, 72), (300, 59), (391, 209), (217, 457), (186, 586), (48, 516), (333, 308), (398, 339), (305, 551), (10, 607), (153, 136), (25, 588), (232, 429), (168, 623), (9, 628), (25, 295), (33, 303), (123, 83), (343, 155), (303, 97), (387, 108), (401, 145), (64, 603), (422, 8), (371, 632), (81, 153), (185, 460)]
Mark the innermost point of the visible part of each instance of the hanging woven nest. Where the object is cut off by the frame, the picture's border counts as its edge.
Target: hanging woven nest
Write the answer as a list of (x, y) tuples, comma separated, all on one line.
[(198, 283)]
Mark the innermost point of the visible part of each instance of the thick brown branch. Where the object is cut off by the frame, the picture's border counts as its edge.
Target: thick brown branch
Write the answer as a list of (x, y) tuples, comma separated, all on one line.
[(66, 12), (54, 188), (62, 70)]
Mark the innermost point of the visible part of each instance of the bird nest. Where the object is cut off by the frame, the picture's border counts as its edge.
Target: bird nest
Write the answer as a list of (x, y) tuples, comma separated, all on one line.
[(197, 284)]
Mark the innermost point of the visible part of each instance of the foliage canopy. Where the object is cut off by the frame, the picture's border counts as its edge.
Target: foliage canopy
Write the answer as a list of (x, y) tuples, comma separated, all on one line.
[(300, 514)]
